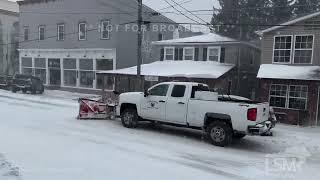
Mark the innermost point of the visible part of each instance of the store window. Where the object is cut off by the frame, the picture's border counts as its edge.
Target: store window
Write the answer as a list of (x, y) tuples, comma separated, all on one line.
[(87, 75), (40, 69), (70, 72), (105, 82), (27, 66)]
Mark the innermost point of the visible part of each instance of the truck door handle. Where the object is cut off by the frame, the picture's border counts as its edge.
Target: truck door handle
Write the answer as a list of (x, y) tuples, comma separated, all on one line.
[(181, 103), (162, 101)]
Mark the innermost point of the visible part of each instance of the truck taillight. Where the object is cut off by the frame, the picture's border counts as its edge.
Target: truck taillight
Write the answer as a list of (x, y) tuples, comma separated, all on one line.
[(252, 114)]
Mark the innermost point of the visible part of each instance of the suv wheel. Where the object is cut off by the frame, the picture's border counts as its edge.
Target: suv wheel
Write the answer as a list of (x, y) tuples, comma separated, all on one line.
[(24, 90), (129, 118), (219, 133), (33, 91), (14, 89)]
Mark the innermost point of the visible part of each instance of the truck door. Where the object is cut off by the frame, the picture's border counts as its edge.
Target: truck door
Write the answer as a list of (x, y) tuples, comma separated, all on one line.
[(177, 105), (153, 106)]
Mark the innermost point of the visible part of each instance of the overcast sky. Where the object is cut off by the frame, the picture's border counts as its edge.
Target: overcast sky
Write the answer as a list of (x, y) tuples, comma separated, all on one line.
[(190, 5)]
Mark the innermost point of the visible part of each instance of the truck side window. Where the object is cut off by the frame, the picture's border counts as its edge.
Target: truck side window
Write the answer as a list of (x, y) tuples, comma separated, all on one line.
[(178, 91), (198, 88), (160, 90)]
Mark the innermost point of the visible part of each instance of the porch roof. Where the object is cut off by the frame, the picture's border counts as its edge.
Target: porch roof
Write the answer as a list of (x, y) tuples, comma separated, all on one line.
[(275, 71), (205, 39), (187, 69)]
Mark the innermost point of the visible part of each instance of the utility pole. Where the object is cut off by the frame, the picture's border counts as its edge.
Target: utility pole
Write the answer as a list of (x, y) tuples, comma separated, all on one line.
[(139, 62), (239, 53)]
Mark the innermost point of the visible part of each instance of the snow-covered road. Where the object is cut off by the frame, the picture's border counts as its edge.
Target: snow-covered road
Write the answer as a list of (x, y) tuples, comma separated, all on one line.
[(40, 139)]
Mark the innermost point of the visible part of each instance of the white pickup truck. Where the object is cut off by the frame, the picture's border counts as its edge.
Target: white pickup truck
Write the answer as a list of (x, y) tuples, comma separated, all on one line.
[(192, 105)]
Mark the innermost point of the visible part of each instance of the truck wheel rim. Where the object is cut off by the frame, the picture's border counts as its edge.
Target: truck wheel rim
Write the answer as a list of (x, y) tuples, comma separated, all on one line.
[(127, 118), (218, 134)]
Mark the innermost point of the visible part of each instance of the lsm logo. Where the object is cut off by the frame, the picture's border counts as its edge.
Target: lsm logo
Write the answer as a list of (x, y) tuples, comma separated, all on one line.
[(283, 164)]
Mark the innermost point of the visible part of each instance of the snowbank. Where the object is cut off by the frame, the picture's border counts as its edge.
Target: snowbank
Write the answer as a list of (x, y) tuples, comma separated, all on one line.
[(274, 71), (187, 69)]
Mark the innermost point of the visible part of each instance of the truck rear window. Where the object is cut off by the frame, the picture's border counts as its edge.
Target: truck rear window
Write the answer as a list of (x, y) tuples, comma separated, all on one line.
[(178, 91)]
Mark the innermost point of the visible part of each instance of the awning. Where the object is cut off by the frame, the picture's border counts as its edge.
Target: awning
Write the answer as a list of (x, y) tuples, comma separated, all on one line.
[(275, 71)]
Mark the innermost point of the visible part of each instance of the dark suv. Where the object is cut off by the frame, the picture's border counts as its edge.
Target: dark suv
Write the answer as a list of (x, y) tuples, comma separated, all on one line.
[(5, 82), (27, 83)]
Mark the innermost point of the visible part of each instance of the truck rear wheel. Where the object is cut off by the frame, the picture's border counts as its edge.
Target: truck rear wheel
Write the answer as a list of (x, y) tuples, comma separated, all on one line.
[(219, 133), (129, 118)]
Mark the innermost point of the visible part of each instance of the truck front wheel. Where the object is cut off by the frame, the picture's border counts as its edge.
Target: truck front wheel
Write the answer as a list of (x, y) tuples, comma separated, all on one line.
[(129, 118), (219, 133)]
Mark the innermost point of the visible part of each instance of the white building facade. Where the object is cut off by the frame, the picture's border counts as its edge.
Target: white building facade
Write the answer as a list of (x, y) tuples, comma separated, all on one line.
[(68, 68)]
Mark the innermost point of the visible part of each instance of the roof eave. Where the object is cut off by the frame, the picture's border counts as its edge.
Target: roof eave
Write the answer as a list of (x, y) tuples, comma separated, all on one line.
[(288, 23)]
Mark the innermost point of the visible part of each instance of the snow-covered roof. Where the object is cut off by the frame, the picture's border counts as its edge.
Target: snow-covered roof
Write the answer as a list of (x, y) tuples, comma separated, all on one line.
[(289, 23), (187, 69), (275, 71), (9, 6), (205, 38)]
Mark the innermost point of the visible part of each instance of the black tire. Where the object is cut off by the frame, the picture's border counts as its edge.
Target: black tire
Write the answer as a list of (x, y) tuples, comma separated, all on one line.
[(33, 91), (24, 91), (219, 133), (238, 136), (14, 90), (129, 118)]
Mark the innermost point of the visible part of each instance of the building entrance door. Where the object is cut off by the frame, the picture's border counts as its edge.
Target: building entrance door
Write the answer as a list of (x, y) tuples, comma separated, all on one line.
[(54, 72)]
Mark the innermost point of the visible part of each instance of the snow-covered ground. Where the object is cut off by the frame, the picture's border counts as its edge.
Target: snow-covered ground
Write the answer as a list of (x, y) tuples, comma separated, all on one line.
[(41, 139)]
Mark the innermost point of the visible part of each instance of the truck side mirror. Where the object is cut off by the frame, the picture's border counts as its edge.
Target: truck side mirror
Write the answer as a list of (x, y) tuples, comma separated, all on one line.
[(146, 93)]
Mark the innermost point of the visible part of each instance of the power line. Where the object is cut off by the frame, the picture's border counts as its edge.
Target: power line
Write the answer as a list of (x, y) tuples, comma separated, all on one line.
[(181, 2), (189, 11), (181, 12)]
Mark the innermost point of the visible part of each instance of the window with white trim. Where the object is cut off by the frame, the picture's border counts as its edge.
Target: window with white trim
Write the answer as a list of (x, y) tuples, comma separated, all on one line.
[(291, 97), (169, 53), (214, 54), (298, 97), (282, 49), (105, 29), (278, 96), (82, 31), (41, 32), (303, 49), (27, 67), (188, 53), (26, 33), (61, 31)]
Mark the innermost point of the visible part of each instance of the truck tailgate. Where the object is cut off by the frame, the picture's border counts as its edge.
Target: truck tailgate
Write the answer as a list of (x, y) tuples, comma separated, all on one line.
[(262, 112)]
